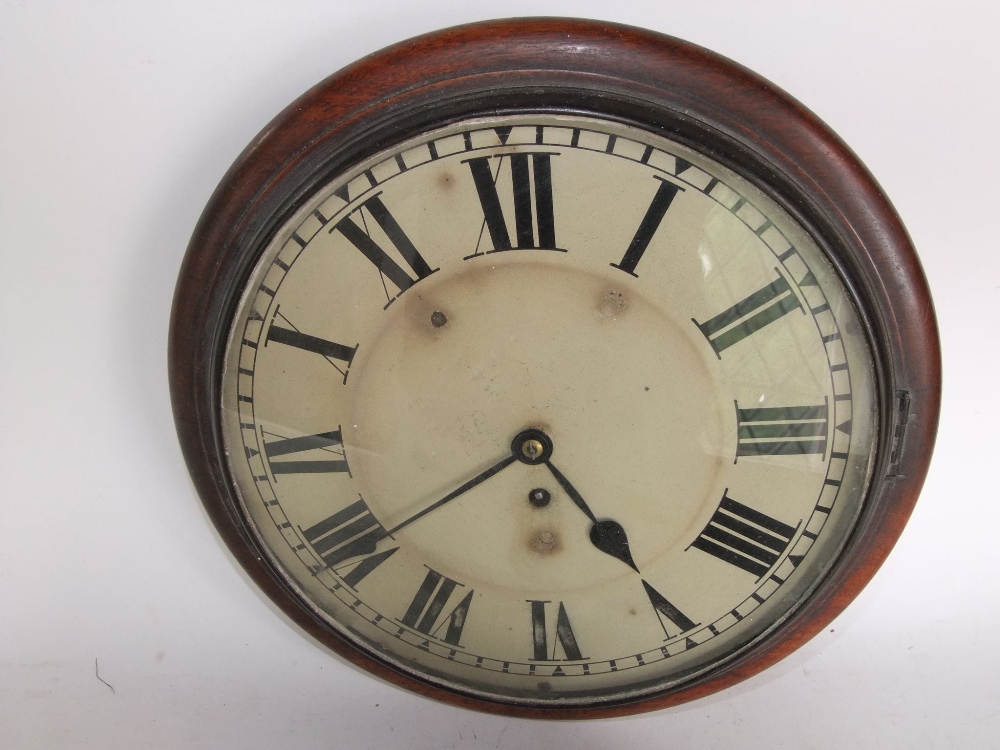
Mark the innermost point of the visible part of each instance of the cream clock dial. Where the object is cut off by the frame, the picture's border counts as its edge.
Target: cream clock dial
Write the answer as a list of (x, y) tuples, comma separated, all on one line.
[(554, 368), (549, 406)]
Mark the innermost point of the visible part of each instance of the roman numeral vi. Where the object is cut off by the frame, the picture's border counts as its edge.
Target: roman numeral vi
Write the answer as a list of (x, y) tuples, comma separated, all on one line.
[(565, 638)]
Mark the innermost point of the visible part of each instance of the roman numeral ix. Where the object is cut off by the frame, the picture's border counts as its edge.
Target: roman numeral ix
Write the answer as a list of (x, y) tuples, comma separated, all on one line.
[(330, 442)]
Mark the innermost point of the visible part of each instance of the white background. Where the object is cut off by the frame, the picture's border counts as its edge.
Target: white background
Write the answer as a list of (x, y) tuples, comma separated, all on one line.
[(117, 120)]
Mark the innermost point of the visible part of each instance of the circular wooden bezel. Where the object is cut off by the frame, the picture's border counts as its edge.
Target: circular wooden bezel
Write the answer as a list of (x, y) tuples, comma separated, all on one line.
[(584, 67)]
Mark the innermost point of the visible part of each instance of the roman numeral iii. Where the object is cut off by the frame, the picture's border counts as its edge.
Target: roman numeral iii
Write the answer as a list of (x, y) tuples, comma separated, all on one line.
[(424, 612), (531, 188), (781, 431), (744, 537)]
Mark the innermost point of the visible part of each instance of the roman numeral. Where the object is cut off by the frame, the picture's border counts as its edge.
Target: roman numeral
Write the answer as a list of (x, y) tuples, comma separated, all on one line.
[(331, 442), (667, 611), (781, 431), (665, 194), (527, 184), (338, 355), (360, 237), (749, 315), (432, 597), (299, 340), (544, 651), (744, 537), (348, 534)]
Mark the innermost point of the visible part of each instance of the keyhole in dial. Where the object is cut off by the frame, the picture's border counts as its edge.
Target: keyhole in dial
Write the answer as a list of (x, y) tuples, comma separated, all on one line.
[(539, 497)]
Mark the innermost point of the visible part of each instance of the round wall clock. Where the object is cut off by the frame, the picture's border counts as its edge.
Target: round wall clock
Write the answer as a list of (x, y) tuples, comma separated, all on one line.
[(554, 368)]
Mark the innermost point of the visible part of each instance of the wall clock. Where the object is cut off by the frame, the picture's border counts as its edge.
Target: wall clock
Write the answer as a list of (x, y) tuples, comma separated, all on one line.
[(554, 368)]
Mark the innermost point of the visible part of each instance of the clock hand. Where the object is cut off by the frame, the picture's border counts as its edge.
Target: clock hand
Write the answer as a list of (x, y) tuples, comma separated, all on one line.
[(607, 535), (571, 491), (478, 479), (533, 447), (529, 446)]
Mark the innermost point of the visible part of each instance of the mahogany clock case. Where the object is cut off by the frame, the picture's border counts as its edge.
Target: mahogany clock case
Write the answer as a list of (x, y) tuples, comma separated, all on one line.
[(561, 66)]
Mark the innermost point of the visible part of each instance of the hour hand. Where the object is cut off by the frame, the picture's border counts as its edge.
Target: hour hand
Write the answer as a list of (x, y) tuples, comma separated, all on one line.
[(607, 535)]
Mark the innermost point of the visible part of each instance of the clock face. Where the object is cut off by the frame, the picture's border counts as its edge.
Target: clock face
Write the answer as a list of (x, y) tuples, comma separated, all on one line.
[(548, 409)]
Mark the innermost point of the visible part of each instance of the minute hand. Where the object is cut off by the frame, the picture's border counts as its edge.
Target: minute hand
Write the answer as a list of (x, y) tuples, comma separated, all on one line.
[(495, 469), (607, 535)]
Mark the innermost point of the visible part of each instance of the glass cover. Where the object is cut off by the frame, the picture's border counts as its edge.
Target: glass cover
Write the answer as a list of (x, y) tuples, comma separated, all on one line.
[(548, 409)]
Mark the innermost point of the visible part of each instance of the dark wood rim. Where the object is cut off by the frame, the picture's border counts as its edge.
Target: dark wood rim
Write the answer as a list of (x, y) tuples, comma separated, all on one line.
[(664, 84)]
